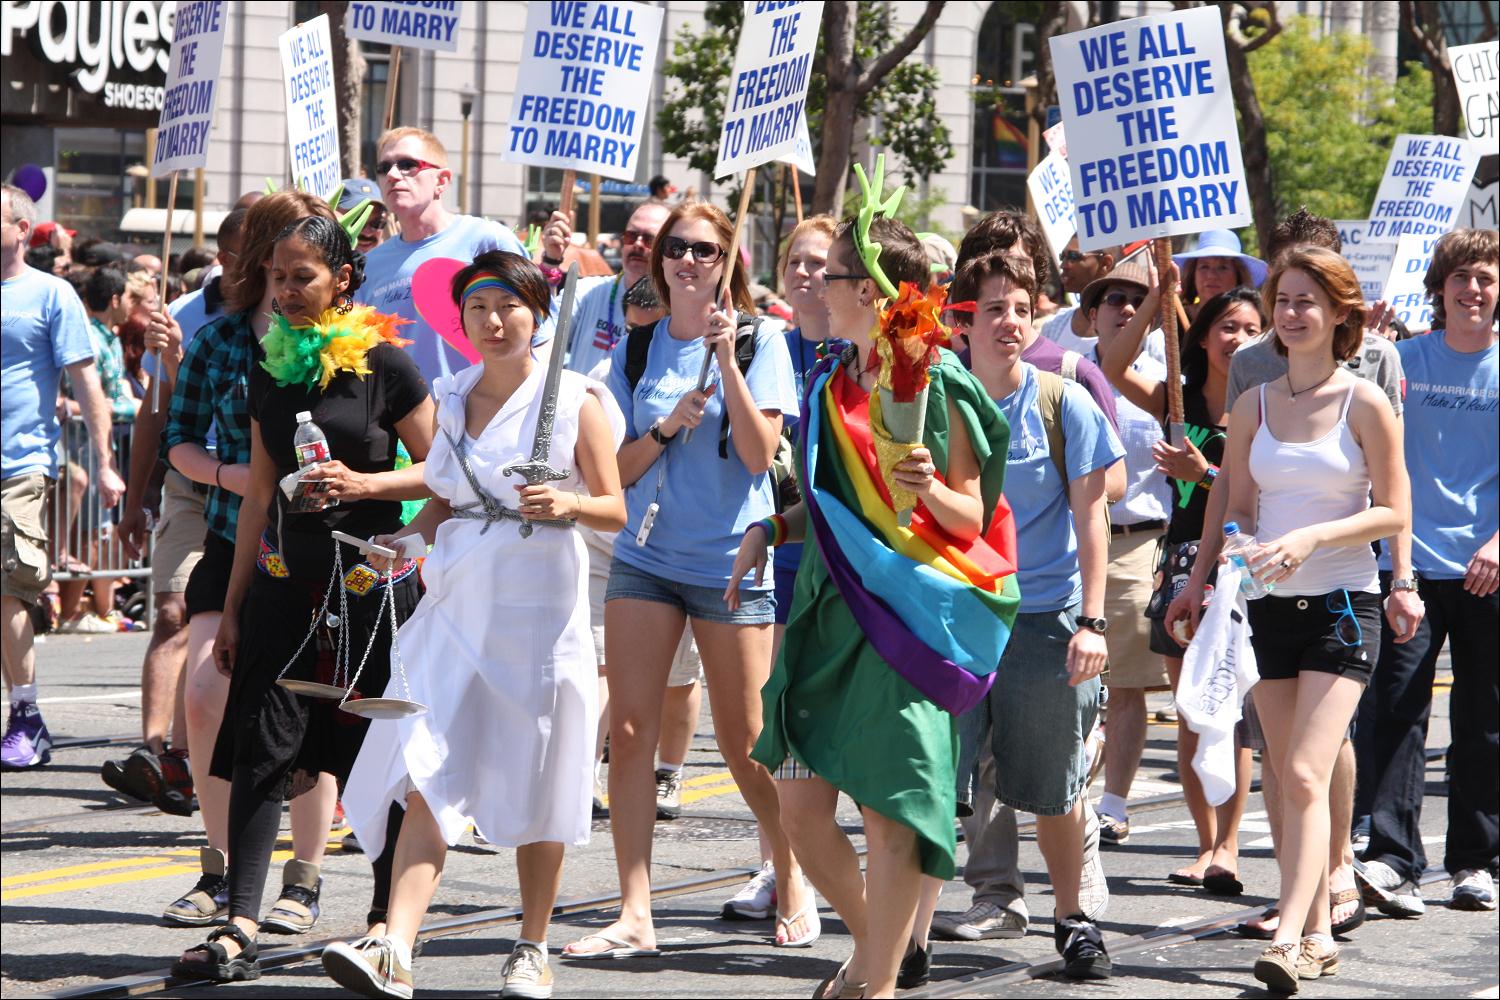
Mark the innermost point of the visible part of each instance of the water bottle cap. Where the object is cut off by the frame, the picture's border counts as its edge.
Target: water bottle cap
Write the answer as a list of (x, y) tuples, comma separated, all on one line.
[(1231, 528), (304, 417)]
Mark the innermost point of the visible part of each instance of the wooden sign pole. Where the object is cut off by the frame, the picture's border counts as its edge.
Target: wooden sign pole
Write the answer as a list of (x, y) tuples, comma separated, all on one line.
[(797, 193), (166, 253), (565, 204), (730, 259), (390, 87), (1170, 308)]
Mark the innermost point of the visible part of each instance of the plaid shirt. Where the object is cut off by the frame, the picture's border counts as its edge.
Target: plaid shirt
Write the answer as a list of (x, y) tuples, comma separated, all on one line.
[(213, 390)]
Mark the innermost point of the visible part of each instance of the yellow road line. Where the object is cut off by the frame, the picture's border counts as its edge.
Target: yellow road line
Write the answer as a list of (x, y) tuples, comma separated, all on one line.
[(715, 779), (699, 794), (138, 874), (98, 866)]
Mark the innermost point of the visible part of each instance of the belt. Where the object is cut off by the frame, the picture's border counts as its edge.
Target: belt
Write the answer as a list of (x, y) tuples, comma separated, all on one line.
[(1137, 528), (490, 513)]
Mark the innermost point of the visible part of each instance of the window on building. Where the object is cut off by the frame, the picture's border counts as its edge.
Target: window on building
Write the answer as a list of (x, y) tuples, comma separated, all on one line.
[(1000, 148)]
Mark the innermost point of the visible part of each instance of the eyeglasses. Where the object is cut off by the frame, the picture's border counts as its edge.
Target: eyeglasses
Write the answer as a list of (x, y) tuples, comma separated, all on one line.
[(1346, 627), (375, 221), (405, 164), (1078, 256), (831, 276), (704, 252), (1117, 300), (631, 237)]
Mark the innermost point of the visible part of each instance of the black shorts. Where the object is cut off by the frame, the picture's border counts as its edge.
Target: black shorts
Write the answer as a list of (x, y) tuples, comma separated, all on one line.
[(1293, 634), (209, 583)]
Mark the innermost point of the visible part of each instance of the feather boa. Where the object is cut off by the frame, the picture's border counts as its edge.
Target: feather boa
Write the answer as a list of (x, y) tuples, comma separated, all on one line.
[(304, 355)]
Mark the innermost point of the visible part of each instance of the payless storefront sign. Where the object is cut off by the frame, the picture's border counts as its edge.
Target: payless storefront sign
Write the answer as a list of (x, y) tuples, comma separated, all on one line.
[(95, 63)]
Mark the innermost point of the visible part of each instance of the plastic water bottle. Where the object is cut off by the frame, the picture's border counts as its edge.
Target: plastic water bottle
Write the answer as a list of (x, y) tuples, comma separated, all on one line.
[(311, 445), (1236, 545)]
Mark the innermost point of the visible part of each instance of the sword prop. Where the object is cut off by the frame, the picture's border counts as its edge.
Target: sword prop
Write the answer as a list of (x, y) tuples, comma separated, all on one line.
[(538, 470)]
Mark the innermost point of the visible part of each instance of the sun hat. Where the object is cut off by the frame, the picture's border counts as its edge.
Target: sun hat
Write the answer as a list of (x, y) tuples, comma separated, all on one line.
[(1132, 272), (1224, 243)]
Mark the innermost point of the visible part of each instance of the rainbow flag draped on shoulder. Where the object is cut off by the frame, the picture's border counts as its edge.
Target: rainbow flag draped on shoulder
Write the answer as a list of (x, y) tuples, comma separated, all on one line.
[(936, 609)]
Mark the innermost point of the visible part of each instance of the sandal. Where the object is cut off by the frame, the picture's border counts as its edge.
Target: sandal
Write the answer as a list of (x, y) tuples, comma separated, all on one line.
[(220, 967), (838, 987), (815, 927), (1339, 898), (1184, 877), (1222, 882), (1249, 930)]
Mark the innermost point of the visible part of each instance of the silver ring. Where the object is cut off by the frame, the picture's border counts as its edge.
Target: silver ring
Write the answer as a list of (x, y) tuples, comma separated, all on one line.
[(928, 468), (1286, 564)]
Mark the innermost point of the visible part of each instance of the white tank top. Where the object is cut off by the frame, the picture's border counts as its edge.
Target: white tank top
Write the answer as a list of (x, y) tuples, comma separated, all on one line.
[(1310, 483)]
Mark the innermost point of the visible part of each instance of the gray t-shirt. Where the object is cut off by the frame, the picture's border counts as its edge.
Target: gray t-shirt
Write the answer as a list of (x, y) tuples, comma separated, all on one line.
[(1258, 363)]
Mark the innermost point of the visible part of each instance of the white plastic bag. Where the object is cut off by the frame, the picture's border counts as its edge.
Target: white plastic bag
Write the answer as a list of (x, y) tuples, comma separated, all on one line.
[(1218, 672)]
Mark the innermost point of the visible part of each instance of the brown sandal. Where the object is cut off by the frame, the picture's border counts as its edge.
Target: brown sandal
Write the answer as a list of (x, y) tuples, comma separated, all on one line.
[(1339, 898), (837, 987)]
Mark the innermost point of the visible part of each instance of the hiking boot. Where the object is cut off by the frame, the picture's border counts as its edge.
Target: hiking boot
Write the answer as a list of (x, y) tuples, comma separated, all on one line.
[(138, 775), (206, 902), (27, 743), (1473, 890), (296, 910), (175, 795), (1081, 945), (756, 899), (369, 967), (668, 794), (983, 921), (526, 973)]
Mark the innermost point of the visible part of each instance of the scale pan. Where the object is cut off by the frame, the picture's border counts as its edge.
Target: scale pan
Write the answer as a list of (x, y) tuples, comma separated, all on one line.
[(312, 689), (383, 708)]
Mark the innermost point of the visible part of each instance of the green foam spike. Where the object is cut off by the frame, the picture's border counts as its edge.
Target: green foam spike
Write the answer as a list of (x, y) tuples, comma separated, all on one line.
[(533, 241), (270, 186), (870, 206), (352, 221)]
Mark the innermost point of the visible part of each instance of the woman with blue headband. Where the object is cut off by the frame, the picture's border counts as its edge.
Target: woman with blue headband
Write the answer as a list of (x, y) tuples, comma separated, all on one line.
[(500, 650)]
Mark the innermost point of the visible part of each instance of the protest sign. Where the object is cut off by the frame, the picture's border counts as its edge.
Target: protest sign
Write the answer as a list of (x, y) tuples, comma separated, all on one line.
[(768, 89), (414, 25), (1426, 182), (187, 108), (1051, 191), (1371, 260), (801, 155), (1153, 147), (1057, 139), (583, 87), (1404, 291), (312, 121), (1477, 75)]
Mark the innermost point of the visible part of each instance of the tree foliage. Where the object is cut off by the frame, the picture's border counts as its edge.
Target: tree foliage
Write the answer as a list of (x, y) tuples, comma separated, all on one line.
[(1329, 121), (901, 110)]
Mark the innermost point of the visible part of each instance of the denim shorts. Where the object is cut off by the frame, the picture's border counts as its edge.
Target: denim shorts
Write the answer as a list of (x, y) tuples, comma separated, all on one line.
[(1037, 724), (698, 603)]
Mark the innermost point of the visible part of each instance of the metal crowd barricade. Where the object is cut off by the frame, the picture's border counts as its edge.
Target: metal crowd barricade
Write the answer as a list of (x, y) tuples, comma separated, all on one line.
[(82, 542)]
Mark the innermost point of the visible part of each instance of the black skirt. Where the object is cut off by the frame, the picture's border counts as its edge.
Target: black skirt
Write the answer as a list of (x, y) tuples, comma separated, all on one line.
[(283, 741)]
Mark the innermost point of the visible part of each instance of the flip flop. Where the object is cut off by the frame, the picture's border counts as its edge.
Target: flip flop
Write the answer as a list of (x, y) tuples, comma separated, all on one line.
[(618, 948), (1222, 883), (806, 940), (1183, 877), (1246, 930), (1338, 898)]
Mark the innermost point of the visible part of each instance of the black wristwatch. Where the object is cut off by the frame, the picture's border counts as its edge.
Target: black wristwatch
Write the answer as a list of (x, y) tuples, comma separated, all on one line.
[(1099, 625), (551, 261), (657, 435)]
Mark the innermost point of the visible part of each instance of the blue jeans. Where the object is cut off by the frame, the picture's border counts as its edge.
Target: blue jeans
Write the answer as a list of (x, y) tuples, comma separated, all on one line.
[(1038, 724), (757, 607)]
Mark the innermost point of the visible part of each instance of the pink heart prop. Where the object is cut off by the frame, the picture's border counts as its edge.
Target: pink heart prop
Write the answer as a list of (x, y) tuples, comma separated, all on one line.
[(432, 293)]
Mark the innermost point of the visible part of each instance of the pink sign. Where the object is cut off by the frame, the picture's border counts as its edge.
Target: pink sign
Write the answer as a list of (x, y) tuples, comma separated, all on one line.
[(432, 293)]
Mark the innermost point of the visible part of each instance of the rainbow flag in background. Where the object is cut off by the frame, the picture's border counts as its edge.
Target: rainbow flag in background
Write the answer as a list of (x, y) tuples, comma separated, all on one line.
[(1010, 140)]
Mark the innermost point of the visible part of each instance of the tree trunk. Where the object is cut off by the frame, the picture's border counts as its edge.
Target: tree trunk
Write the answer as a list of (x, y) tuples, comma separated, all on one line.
[(839, 107), (1054, 19), (1253, 151), (348, 86)]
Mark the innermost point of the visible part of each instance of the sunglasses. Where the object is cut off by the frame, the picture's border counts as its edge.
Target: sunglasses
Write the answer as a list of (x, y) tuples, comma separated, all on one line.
[(1346, 626), (405, 164), (375, 221), (1116, 300), (1078, 256), (704, 252), (831, 276), (631, 237)]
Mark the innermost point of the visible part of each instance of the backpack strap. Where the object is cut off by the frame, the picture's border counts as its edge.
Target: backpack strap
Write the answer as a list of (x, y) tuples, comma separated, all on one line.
[(1069, 369), (745, 334), (1049, 397), (637, 346)]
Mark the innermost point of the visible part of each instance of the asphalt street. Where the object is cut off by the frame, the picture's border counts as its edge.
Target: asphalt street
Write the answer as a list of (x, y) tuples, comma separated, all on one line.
[(86, 874)]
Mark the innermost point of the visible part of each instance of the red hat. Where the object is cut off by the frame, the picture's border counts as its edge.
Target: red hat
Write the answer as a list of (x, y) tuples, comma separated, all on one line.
[(42, 234)]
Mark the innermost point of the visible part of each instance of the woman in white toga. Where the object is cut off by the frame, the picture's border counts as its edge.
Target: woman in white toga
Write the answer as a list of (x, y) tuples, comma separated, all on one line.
[(500, 648)]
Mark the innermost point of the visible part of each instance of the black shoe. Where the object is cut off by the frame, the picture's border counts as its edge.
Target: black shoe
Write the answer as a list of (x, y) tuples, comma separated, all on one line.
[(1082, 948), (138, 776), (916, 967)]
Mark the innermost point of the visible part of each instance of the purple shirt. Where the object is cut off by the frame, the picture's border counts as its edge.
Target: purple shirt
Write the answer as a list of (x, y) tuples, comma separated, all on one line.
[(1048, 356)]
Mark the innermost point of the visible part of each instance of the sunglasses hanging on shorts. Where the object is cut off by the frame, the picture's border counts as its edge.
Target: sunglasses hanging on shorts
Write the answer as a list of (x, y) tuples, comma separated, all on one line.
[(1346, 627), (704, 252), (405, 164)]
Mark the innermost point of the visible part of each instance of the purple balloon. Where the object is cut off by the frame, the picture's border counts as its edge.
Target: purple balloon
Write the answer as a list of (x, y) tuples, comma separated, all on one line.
[(30, 178)]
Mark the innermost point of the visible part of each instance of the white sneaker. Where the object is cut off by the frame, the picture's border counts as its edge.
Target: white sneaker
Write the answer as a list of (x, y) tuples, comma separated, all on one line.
[(756, 899), (89, 623), (1473, 890), (1388, 892)]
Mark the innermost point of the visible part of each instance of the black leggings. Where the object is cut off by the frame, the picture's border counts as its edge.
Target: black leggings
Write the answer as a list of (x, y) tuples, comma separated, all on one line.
[(254, 821)]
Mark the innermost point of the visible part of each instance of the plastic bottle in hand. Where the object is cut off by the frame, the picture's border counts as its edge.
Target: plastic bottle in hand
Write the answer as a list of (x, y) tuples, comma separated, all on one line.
[(311, 445), (1236, 547)]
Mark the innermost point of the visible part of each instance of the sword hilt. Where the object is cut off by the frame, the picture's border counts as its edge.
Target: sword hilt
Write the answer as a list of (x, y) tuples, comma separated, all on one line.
[(535, 473)]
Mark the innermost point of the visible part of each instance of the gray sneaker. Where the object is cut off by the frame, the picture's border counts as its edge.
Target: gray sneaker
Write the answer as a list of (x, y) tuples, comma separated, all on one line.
[(983, 921), (1388, 892), (1473, 890), (527, 974), (668, 794), (1093, 887)]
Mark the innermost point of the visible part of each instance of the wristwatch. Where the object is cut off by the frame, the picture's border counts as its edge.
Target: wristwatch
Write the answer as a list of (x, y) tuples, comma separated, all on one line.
[(1408, 583), (1099, 625), (657, 435)]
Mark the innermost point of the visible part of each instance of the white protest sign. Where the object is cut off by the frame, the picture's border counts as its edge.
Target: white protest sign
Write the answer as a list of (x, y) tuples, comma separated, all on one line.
[(801, 157), (583, 87), (1481, 210), (1477, 75), (312, 120), (768, 89), (415, 25), (1057, 139), (1404, 291), (1051, 192), (192, 90), (1152, 142), (1426, 182), (1371, 260)]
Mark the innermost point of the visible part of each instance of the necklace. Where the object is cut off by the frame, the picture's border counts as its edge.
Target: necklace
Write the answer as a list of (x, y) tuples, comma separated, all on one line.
[(1300, 392)]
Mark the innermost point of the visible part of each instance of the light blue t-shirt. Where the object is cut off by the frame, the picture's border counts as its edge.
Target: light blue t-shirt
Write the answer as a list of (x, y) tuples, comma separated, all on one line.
[(1452, 453), (706, 502), (45, 329), (388, 276), (1046, 543)]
